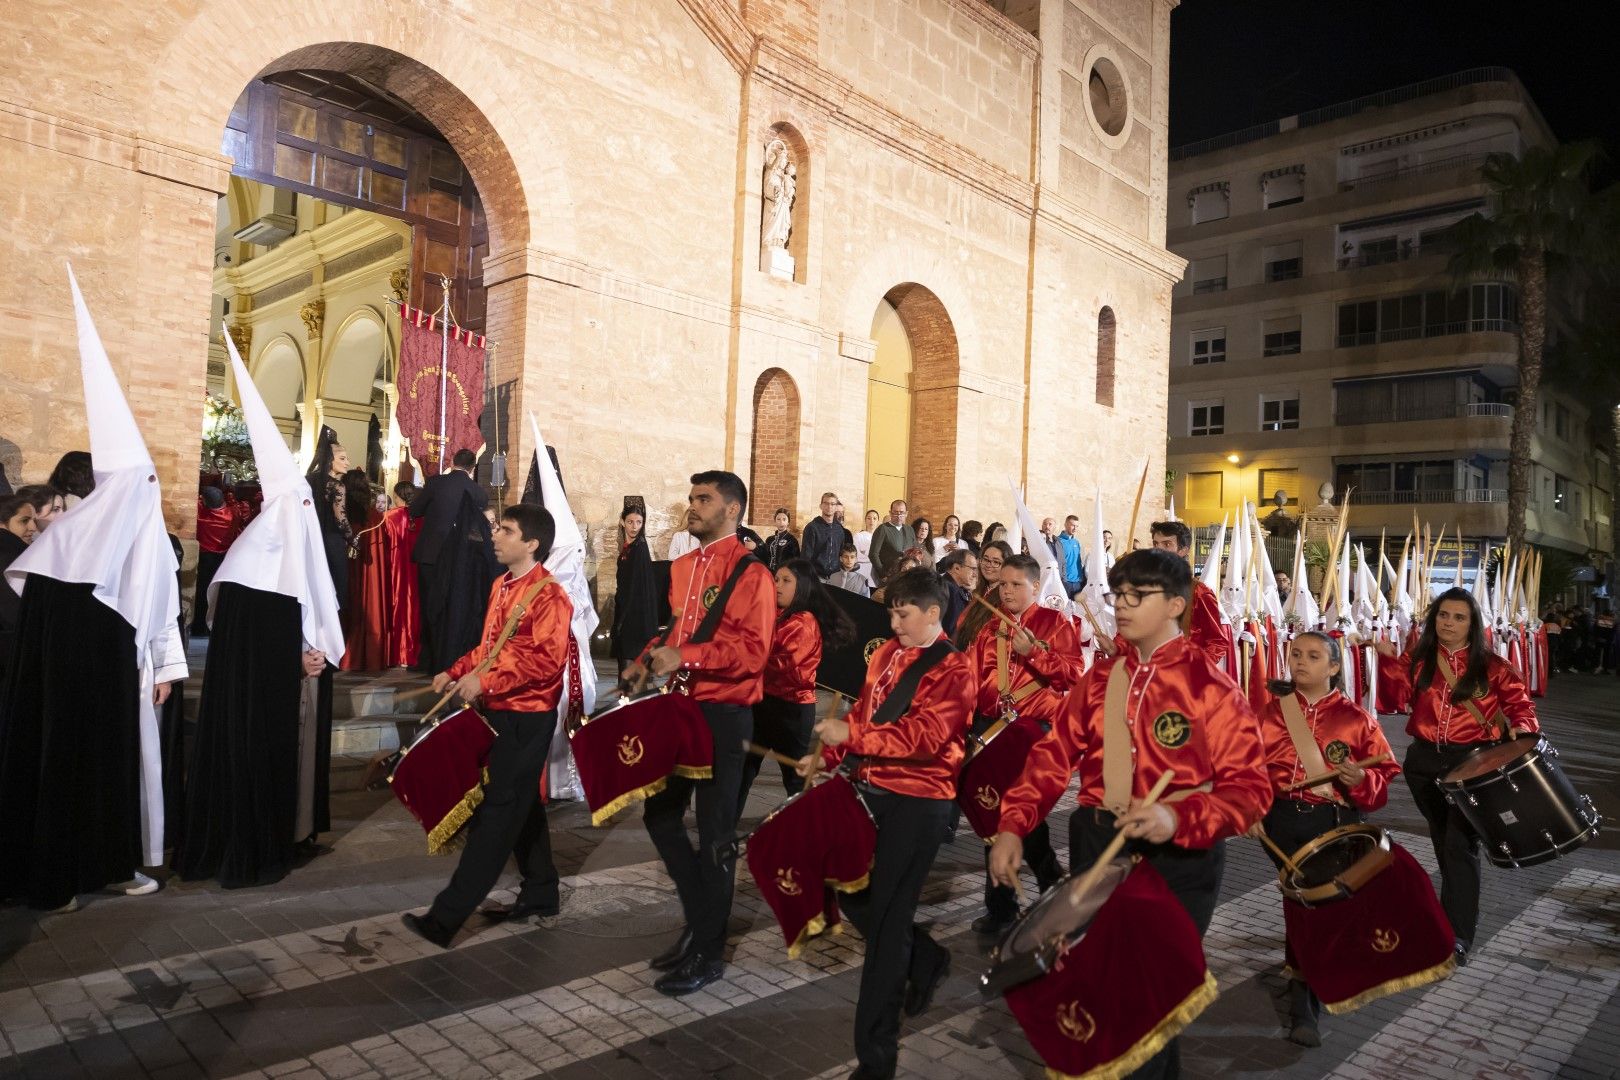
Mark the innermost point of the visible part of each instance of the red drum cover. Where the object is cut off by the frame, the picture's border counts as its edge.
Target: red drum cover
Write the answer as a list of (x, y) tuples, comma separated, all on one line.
[(440, 777), (1391, 935), (628, 752), (817, 842), (1124, 990), (990, 772)]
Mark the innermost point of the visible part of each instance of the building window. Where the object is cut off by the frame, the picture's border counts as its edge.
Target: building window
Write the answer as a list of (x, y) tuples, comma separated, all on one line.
[(1285, 187), (1212, 202), (1560, 494), (1209, 346), (1204, 491), (1283, 480), (1283, 262), (1105, 357), (1206, 418), (1280, 336), (1209, 275), (1279, 413), (1491, 306)]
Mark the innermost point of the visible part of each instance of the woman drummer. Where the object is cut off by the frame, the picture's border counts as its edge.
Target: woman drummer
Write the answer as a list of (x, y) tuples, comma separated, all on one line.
[(807, 620), (1310, 728), (1463, 697)]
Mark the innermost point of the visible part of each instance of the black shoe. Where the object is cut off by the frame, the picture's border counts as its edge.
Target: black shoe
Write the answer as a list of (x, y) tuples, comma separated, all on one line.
[(993, 924), (1462, 954), (694, 974), (1304, 1033), (676, 955), (863, 1073), (424, 927), (919, 995), (523, 909)]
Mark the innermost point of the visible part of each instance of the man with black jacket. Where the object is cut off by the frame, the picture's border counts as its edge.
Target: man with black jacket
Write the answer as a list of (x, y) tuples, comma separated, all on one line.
[(455, 561), (825, 537)]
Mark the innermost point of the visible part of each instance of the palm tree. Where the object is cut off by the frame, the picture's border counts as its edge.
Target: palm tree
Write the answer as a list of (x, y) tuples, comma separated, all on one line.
[(1540, 219)]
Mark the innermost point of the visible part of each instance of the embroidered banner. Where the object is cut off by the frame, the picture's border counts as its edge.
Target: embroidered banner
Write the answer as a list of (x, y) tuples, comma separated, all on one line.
[(438, 425)]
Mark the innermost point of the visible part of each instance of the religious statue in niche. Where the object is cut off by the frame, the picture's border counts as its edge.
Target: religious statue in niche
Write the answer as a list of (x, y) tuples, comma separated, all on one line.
[(776, 220)]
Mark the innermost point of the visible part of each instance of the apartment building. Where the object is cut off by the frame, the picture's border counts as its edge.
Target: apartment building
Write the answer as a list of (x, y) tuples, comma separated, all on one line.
[(1317, 336)]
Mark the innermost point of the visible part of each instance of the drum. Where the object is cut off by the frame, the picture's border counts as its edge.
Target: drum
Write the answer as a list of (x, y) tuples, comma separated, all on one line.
[(1335, 865), (628, 751), (994, 764), (815, 845), (1518, 799), (440, 777), (1102, 986)]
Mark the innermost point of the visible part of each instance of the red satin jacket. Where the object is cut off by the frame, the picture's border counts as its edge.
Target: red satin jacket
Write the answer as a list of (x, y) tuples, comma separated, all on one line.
[(1345, 732), (216, 529), (729, 668), (921, 752), (1060, 667), (1435, 718), (1206, 629), (790, 669), (1184, 715), (527, 675)]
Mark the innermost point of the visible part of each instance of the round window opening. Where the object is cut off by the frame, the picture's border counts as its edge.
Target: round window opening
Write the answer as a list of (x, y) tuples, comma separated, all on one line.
[(1108, 104)]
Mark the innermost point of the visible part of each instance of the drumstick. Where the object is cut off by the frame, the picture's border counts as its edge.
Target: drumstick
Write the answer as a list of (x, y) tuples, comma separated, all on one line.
[(1006, 618), (815, 757), (1312, 781), (1282, 856), (407, 695), (1104, 643), (772, 755), (1098, 868)]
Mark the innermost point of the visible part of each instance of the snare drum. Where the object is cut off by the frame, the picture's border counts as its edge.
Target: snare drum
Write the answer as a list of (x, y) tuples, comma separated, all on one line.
[(1335, 865), (440, 777), (1518, 799), (628, 751), (1101, 986), (818, 843), (994, 764)]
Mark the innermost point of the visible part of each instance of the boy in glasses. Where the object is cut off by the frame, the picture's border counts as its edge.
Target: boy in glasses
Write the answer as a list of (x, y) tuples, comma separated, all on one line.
[(1177, 713), (1205, 625)]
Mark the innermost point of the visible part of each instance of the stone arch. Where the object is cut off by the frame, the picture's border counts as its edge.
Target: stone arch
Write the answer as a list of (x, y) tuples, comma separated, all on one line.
[(345, 374), (798, 148), (1105, 356), (278, 373), (774, 458)]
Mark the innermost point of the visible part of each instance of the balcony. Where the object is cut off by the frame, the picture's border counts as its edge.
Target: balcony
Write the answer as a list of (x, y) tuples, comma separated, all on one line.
[(1420, 411), (1209, 285), (1385, 256), (1412, 333), (1437, 495), (1461, 161)]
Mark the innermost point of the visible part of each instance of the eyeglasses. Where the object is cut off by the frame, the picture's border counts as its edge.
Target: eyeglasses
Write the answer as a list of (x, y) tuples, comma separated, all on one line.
[(1131, 599)]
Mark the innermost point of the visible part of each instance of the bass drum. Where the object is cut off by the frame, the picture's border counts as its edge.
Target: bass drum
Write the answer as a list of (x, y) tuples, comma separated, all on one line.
[(1518, 799)]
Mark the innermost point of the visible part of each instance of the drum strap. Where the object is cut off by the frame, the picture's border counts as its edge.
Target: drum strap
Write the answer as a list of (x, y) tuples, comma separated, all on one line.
[(1469, 704), (1305, 748), (1118, 773), (1004, 672), (898, 702), (711, 618)]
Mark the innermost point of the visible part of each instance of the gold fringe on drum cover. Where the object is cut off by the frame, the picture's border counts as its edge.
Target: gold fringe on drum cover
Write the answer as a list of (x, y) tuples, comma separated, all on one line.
[(1155, 1040), (441, 839), (647, 791), (1393, 986)]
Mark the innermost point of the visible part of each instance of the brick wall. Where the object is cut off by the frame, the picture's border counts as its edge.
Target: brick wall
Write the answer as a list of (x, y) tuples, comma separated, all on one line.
[(774, 478), (935, 400)]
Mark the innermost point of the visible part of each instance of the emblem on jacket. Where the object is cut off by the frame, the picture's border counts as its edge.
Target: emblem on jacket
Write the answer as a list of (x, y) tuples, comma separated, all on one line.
[(787, 882), (630, 750), (987, 797), (1171, 730), (1335, 752), (1075, 1022), (871, 647), (1385, 941), (709, 596)]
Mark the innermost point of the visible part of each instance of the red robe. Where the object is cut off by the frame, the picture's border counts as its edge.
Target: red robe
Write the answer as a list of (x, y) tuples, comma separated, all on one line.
[(403, 625), (366, 609)]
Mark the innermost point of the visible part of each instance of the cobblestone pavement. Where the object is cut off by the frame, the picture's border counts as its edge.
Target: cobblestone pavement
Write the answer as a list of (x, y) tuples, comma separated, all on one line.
[(315, 978)]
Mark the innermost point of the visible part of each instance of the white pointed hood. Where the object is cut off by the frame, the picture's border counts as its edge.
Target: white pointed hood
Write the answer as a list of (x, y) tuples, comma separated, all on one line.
[(566, 563), (1210, 575), (1301, 603), (116, 538), (281, 550)]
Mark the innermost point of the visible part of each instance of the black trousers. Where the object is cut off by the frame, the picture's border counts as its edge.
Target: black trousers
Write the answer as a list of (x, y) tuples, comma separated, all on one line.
[(784, 726), (704, 877), (1456, 844), (510, 821), (1193, 876), (207, 566), (1000, 901), (1291, 824), (909, 830), (424, 588)]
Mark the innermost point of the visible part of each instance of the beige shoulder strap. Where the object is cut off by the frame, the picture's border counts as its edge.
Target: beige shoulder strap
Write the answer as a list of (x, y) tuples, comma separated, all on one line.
[(1004, 671), (1117, 769), (1503, 731), (1305, 747)]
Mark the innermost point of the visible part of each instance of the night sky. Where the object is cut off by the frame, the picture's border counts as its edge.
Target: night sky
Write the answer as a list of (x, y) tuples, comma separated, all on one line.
[(1240, 62)]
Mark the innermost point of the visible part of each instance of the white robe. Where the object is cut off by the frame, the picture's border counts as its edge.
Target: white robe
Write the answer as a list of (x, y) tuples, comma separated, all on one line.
[(164, 661)]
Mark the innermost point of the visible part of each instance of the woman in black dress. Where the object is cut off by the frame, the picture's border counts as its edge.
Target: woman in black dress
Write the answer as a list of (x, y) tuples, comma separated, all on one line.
[(325, 478), (635, 603)]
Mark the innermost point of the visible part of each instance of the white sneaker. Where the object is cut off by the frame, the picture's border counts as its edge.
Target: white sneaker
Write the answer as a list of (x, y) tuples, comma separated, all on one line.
[(66, 909), (139, 885)]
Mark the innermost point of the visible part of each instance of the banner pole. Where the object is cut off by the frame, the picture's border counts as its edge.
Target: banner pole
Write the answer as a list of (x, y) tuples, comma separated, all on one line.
[(444, 363)]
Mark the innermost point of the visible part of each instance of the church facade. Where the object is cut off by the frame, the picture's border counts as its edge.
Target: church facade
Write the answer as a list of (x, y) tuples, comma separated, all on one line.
[(889, 248)]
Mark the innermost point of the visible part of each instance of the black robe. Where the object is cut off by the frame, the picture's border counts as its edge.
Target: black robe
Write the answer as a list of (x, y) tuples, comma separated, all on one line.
[(457, 590), (242, 789), (70, 748), (635, 603)]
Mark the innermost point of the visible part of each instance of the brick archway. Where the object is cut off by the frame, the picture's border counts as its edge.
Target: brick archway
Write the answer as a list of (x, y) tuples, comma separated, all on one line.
[(936, 370), (774, 471)]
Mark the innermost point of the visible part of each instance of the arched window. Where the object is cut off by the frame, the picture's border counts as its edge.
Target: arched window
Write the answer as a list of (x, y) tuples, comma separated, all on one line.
[(1105, 357), (775, 459)]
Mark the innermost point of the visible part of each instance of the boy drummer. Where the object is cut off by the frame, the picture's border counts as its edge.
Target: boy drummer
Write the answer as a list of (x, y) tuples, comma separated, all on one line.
[(904, 739), (1175, 712)]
